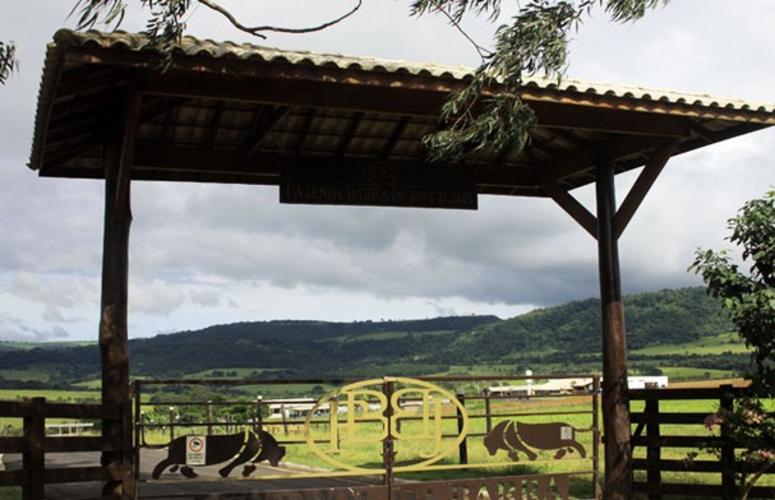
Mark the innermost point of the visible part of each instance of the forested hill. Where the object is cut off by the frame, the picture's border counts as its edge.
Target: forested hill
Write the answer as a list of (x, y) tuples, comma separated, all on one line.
[(565, 334)]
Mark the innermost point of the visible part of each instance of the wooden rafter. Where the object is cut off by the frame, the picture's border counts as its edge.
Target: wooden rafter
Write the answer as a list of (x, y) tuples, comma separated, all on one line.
[(395, 136), (349, 134), (265, 119), (306, 124)]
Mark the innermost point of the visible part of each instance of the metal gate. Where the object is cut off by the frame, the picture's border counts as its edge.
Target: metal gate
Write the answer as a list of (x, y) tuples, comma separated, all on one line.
[(392, 437)]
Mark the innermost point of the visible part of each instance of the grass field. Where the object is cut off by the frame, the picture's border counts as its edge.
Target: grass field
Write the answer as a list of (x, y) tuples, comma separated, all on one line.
[(719, 344)]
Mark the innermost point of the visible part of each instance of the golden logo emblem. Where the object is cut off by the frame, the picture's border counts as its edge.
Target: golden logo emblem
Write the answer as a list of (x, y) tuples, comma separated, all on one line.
[(404, 414)]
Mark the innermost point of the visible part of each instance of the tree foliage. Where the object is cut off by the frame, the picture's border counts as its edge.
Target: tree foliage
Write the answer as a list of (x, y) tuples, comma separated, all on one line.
[(748, 298), (488, 113)]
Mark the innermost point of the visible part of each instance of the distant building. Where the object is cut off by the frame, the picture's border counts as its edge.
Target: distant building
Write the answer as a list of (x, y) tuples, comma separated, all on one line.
[(562, 386)]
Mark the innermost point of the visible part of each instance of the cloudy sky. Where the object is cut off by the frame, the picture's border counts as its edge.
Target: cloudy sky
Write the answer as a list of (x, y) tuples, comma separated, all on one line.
[(204, 254)]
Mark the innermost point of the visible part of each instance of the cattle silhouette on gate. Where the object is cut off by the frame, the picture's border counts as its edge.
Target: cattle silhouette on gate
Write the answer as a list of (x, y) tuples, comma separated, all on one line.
[(519, 437), (240, 448)]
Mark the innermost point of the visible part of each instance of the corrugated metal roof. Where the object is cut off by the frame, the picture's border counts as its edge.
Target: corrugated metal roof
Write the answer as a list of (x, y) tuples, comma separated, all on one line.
[(192, 46), (222, 107)]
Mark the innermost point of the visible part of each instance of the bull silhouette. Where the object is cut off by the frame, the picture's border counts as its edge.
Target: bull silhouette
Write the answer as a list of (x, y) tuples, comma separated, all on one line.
[(514, 437), (239, 448)]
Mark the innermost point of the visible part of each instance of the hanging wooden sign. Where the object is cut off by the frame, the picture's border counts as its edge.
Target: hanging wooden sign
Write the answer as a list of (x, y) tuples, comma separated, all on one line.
[(380, 184)]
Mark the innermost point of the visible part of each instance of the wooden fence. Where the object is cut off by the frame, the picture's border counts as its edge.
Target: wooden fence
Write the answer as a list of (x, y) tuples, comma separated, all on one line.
[(655, 440), (34, 445)]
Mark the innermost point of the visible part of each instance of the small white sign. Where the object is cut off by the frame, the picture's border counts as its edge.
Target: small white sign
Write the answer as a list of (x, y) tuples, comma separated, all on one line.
[(196, 450), (566, 433)]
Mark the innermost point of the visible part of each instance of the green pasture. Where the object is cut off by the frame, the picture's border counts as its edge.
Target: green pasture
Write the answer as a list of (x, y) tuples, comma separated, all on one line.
[(718, 344), (676, 373)]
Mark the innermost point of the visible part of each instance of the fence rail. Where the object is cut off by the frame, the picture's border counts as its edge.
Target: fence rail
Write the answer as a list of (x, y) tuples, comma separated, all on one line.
[(652, 418), (34, 445)]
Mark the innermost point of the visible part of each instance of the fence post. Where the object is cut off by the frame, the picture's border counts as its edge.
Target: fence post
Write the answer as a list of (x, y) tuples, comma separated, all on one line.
[(487, 411), (259, 417), (728, 487), (463, 447), (209, 417), (285, 419), (172, 423), (33, 459), (653, 450), (596, 437), (128, 451)]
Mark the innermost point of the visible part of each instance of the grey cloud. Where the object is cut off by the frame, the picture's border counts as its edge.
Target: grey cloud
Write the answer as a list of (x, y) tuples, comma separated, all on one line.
[(191, 243)]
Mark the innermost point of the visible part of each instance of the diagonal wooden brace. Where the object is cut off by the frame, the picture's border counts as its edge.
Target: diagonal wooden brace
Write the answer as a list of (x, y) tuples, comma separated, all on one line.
[(571, 205), (645, 180)]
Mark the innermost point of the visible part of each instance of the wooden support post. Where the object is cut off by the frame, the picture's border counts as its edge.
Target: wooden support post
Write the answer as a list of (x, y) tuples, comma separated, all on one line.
[(616, 408), (728, 486), (653, 450), (463, 447), (113, 337), (209, 418), (34, 458)]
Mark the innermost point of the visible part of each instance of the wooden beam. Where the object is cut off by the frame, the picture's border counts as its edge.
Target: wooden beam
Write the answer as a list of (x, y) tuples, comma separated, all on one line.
[(642, 186), (571, 205), (152, 161), (616, 408)]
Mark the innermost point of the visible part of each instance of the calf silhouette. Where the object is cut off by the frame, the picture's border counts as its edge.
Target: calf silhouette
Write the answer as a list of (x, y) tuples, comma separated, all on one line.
[(514, 437), (239, 448)]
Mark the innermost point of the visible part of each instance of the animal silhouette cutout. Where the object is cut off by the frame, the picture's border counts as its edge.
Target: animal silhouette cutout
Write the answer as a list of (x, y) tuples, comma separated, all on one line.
[(515, 437), (239, 448)]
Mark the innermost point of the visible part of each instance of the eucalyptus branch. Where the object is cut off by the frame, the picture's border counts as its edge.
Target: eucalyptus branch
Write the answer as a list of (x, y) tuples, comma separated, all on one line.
[(483, 52), (257, 30), (8, 62)]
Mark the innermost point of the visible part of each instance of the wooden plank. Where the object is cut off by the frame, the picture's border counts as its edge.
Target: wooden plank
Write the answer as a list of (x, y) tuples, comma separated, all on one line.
[(676, 441), (83, 411), (12, 445), (81, 443), (15, 409), (699, 393), (13, 477), (680, 465), (81, 474), (668, 418)]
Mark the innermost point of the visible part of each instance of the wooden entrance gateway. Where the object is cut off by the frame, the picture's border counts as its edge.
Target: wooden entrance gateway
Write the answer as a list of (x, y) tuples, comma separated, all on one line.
[(334, 129)]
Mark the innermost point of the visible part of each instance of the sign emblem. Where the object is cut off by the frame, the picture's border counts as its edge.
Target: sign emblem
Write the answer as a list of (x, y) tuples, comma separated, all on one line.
[(407, 419)]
